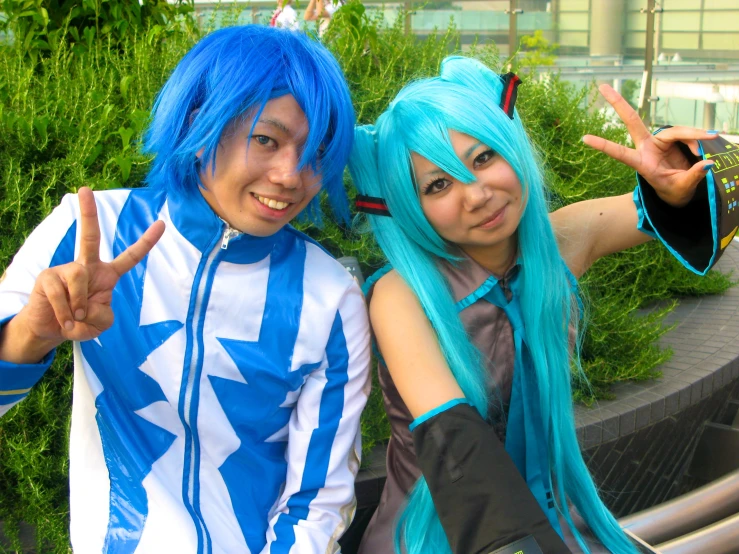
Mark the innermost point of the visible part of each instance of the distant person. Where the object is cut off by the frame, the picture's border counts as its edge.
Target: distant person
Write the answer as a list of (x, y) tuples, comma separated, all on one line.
[(322, 11), (285, 16)]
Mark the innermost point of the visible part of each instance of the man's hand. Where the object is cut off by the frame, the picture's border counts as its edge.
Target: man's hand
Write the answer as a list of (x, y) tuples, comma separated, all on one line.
[(656, 157), (73, 301)]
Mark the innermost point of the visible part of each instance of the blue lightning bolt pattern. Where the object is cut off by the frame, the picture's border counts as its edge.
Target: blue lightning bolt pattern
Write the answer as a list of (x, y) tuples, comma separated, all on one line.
[(131, 444), (255, 472)]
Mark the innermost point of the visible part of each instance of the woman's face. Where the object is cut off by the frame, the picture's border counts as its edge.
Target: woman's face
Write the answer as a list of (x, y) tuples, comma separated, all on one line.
[(481, 217)]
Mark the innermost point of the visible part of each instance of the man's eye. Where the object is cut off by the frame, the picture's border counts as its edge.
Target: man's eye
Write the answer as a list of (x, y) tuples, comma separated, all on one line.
[(263, 139), (484, 157)]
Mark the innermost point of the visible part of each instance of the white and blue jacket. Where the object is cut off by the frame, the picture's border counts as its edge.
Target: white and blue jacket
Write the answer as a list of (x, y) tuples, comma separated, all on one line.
[(220, 412)]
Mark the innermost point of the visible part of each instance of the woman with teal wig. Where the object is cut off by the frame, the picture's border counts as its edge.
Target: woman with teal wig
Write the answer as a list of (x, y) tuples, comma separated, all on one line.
[(475, 314)]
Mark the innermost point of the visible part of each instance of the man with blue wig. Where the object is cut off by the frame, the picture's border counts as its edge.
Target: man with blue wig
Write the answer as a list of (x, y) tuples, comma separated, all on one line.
[(221, 357)]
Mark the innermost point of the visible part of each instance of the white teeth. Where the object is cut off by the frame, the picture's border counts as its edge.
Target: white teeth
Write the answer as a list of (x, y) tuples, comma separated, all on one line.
[(274, 204)]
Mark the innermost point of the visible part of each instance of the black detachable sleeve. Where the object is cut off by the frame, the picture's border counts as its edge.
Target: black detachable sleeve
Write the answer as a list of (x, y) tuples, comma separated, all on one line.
[(698, 233), (482, 500)]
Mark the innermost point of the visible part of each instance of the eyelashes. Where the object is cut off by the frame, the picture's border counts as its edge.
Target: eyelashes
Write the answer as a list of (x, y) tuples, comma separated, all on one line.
[(264, 140), (441, 183), (484, 157), (436, 186)]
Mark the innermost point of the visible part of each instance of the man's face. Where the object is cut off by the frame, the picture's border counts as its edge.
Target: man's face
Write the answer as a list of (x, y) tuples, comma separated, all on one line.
[(257, 187)]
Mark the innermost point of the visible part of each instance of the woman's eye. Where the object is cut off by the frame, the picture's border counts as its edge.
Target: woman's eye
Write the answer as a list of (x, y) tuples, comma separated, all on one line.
[(484, 157), (264, 140), (436, 186)]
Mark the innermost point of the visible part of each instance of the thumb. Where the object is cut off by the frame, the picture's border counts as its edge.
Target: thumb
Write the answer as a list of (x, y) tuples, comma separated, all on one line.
[(697, 173)]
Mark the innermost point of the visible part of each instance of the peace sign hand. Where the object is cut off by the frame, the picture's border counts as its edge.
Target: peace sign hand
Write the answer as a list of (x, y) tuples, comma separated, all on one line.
[(657, 158), (73, 301)]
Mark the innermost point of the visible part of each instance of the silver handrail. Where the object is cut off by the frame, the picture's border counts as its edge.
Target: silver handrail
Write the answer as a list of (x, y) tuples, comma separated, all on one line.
[(720, 538), (687, 513)]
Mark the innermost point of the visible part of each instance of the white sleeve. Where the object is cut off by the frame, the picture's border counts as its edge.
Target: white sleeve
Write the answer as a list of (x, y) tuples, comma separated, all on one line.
[(51, 243), (288, 19), (324, 442), (330, 8)]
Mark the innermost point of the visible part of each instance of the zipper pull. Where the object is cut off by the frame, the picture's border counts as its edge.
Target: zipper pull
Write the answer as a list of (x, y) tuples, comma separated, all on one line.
[(227, 236)]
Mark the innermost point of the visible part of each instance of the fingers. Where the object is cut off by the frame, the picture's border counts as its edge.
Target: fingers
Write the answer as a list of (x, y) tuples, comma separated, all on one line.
[(89, 227), (681, 187), (76, 278), (53, 289), (132, 255), (688, 135), (697, 173), (631, 119), (616, 151), (99, 319), (66, 288)]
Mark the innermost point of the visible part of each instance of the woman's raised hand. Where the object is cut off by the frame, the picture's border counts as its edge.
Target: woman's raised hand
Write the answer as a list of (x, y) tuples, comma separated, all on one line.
[(657, 158), (73, 301)]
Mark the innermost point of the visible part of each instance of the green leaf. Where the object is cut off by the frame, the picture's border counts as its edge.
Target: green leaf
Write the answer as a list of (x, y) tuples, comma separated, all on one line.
[(93, 155), (138, 119), (29, 38), (126, 135), (107, 111), (153, 33), (41, 124), (124, 164), (89, 34), (125, 82), (24, 127)]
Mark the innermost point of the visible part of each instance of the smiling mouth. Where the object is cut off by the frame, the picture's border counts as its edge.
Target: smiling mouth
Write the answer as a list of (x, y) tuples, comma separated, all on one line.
[(493, 220), (271, 202)]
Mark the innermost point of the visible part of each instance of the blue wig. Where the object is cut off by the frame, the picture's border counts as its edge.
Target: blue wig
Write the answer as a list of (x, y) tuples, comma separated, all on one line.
[(234, 72), (465, 98)]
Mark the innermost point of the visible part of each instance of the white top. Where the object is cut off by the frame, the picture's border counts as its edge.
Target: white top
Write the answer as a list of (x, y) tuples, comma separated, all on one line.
[(287, 18)]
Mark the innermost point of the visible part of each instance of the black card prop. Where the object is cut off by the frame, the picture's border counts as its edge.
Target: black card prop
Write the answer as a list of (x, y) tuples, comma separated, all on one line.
[(698, 233), (725, 156)]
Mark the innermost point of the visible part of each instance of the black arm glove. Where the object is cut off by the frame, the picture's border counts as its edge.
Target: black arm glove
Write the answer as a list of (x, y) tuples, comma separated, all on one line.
[(698, 233), (482, 500)]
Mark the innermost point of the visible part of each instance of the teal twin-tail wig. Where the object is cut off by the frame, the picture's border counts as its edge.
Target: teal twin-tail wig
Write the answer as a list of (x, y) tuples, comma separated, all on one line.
[(465, 97)]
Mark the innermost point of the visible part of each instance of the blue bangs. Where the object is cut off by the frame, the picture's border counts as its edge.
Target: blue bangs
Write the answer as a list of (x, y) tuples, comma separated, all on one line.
[(232, 73), (419, 120)]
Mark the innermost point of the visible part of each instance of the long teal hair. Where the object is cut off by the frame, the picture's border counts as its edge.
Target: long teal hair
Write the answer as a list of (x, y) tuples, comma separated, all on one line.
[(465, 98)]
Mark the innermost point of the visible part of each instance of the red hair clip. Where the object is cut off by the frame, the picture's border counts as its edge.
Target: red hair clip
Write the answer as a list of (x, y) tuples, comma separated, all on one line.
[(508, 97), (371, 205)]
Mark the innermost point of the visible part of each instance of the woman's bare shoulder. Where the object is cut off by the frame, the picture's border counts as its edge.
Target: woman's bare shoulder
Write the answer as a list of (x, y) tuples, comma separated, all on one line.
[(391, 295), (410, 346)]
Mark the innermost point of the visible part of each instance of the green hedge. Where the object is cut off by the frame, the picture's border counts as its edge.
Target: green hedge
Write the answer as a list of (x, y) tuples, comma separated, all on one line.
[(73, 118)]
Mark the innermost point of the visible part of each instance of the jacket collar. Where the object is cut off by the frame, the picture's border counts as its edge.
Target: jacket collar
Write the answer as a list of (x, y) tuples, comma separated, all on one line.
[(198, 223)]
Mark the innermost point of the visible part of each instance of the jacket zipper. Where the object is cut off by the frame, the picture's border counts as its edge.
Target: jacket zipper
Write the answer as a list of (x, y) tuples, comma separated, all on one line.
[(228, 234)]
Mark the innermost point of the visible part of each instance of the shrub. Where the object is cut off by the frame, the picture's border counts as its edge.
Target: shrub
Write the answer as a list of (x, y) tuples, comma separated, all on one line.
[(69, 120), (40, 26)]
